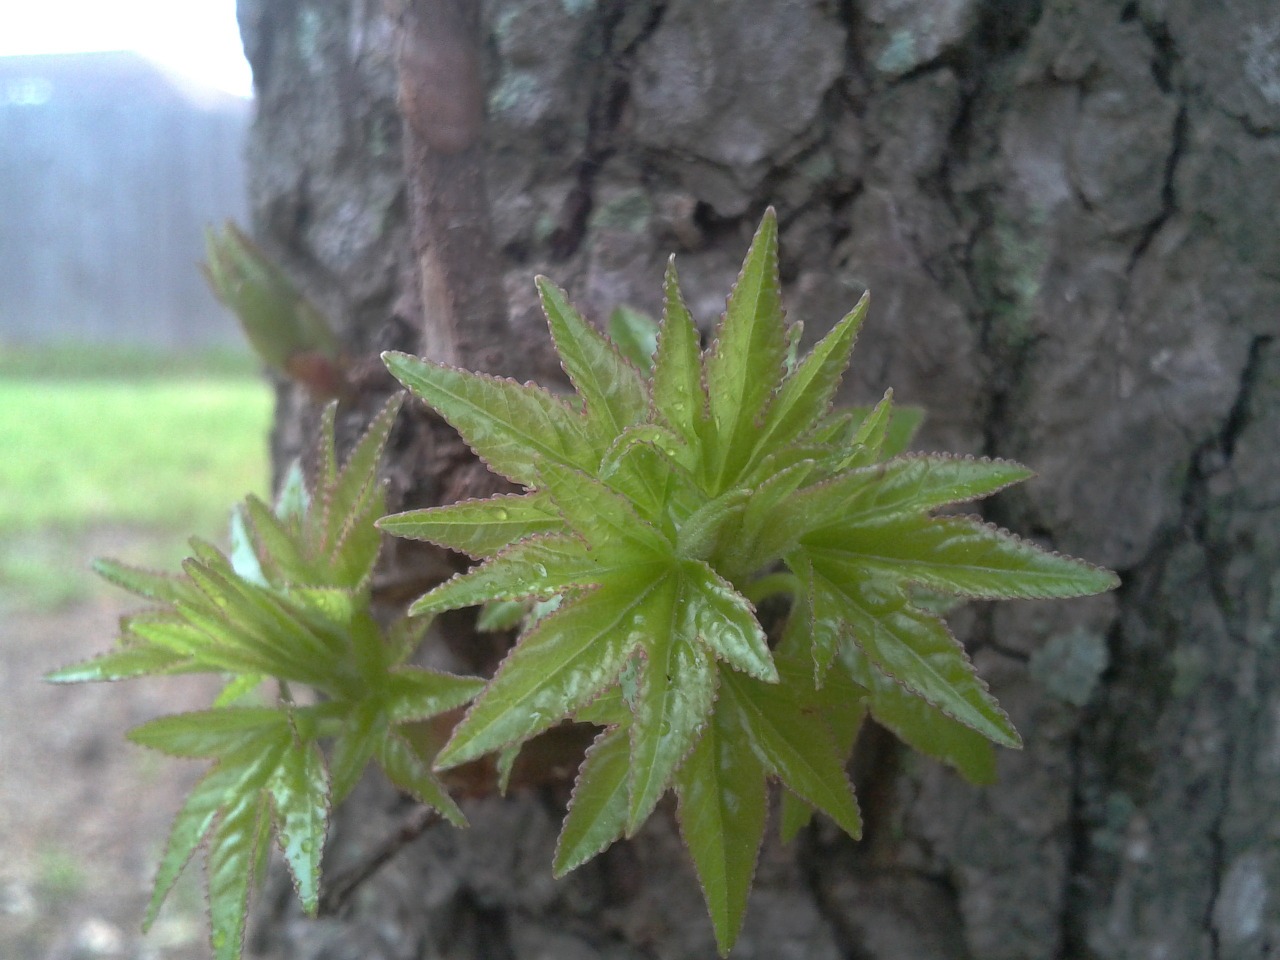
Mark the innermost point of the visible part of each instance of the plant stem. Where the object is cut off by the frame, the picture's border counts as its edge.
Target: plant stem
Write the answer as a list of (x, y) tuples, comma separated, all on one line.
[(336, 894)]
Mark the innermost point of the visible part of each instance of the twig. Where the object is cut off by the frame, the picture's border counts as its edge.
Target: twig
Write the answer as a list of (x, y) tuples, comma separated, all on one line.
[(336, 894)]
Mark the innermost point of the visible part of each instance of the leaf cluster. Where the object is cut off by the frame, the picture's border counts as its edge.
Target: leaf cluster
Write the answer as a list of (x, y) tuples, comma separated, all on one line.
[(288, 333), (291, 604), (668, 497), (673, 492)]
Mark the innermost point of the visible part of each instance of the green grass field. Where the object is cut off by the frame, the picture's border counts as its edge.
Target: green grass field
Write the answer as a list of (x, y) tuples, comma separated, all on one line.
[(105, 362), (160, 451)]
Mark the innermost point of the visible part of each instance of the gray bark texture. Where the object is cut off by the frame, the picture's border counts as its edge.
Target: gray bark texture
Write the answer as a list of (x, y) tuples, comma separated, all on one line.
[(1066, 213)]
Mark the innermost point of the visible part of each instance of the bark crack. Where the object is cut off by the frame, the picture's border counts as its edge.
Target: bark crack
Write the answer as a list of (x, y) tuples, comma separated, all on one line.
[(1217, 848), (1164, 68), (980, 260), (1168, 191), (1214, 456), (809, 856), (610, 84), (1211, 458), (1073, 941)]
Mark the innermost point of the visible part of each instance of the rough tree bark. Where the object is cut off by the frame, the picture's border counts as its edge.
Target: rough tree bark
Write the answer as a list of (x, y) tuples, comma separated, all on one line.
[(1066, 214)]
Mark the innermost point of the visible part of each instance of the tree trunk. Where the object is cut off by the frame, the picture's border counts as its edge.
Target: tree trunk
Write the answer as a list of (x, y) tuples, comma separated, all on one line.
[(1066, 215)]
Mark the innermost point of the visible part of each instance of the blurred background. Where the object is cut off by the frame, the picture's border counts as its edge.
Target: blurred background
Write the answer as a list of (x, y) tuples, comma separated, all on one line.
[(131, 415)]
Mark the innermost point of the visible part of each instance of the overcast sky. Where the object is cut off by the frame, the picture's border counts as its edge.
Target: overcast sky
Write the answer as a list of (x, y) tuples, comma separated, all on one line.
[(195, 37)]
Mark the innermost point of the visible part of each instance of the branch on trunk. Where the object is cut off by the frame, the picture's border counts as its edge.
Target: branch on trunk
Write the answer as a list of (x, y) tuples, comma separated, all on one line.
[(442, 97)]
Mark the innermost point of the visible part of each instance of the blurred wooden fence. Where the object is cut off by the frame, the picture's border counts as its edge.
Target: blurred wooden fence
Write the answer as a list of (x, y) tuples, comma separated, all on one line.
[(109, 170)]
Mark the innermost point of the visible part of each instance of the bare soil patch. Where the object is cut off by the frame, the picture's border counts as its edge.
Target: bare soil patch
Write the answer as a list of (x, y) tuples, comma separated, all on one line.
[(84, 814)]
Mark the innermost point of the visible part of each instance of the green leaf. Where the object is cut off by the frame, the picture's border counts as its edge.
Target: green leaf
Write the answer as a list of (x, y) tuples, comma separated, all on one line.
[(280, 554), (293, 501), (170, 632), (921, 725), (352, 557), (148, 584), (962, 556), (598, 808), (914, 648), (211, 733), (839, 427), (610, 708), (836, 429), (869, 439), (538, 567), (236, 781), (600, 515), (403, 638), (415, 693), (793, 816), (506, 765), (363, 727), (647, 464), (281, 628), (407, 771), (789, 744), (793, 334), (769, 522), (704, 529), (478, 528), (234, 849), (745, 365), (558, 667), (782, 517), (354, 487), (635, 334), (496, 616), (675, 696), (251, 620), (300, 793), (816, 618), (722, 813), (244, 556), (513, 428), (323, 609), (326, 447), (237, 689), (679, 395), (365, 665), (538, 609), (825, 463), (915, 484), (277, 320), (293, 606), (136, 660), (238, 774), (202, 551), (833, 698), (189, 828), (612, 388), (806, 394), (902, 430), (711, 610)]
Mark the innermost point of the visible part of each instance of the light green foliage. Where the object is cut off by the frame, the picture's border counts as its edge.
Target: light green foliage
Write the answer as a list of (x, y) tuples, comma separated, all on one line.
[(285, 329), (663, 500), (290, 604), (678, 488)]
